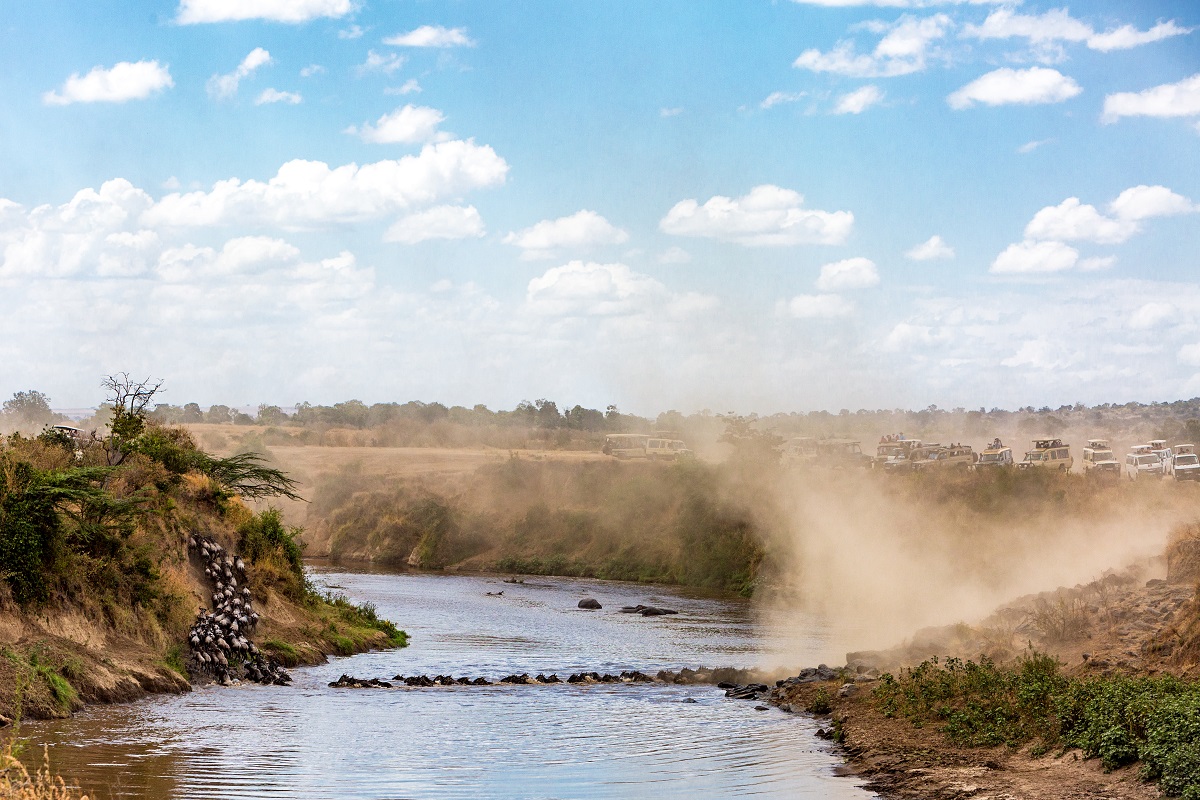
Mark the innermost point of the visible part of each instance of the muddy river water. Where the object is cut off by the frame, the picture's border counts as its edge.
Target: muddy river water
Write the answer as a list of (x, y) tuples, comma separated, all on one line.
[(561, 741)]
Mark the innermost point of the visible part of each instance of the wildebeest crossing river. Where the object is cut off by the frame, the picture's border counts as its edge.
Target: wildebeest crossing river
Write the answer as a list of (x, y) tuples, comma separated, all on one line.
[(569, 740)]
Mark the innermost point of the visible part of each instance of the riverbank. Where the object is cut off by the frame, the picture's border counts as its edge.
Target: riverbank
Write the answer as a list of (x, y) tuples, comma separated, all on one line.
[(101, 579), (1088, 691)]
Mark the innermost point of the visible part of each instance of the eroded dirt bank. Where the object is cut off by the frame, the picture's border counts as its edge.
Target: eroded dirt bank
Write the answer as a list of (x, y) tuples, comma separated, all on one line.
[(1118, 630)]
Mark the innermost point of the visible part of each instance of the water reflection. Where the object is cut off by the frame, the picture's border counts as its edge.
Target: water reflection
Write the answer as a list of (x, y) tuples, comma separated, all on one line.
[(602, 741)]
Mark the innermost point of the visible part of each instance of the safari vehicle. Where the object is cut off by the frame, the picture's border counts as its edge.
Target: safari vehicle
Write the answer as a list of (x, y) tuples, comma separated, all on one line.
[(908, 461), (626, 445), (893, 448), (1185, 464), (995, 455), (1098, 459), (938, 457), (1143, 463), (800, 451), (1048, 453), (666, 449), (841, 454)]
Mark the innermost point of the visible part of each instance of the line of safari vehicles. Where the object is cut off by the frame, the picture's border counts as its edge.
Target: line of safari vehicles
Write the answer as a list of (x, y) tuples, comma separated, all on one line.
[(897, 453)]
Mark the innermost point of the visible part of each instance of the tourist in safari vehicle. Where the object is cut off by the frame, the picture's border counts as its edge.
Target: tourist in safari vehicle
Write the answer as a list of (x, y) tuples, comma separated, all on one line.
[(1048, 453)]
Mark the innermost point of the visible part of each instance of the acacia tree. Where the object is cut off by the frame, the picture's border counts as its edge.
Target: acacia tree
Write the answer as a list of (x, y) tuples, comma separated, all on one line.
[(130, 400), (29, 408)]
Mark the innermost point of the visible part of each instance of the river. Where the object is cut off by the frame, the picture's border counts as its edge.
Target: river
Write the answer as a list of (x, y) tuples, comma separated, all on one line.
[(559, 741)]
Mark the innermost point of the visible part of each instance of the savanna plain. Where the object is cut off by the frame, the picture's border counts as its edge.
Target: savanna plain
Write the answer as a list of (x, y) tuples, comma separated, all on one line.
[(1002, 632)]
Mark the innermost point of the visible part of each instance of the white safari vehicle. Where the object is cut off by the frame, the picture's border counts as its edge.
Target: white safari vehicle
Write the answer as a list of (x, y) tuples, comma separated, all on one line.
[(1185, 465), (1142, 462)]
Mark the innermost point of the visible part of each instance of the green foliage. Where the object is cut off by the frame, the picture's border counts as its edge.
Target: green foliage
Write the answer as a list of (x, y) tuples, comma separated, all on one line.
[(821, 702), (174, 659), (246, 474), (272, 547), (1120, 720)]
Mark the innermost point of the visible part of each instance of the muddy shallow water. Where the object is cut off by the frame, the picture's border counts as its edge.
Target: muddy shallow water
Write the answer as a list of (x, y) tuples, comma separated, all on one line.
[(595, 741)]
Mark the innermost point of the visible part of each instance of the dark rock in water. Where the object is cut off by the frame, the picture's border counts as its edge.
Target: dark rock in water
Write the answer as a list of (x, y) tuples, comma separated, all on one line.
[(590, 602), (822, 733), (631, 609), (760, 708), (726, 685), (651, 611), (689, 700)]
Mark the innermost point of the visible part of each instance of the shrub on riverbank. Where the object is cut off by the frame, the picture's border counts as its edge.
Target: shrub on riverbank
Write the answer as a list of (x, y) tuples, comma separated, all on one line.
[(1154, 721)]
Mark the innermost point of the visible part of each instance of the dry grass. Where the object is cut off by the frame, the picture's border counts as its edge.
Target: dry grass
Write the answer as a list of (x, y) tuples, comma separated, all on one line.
[(16, 783)]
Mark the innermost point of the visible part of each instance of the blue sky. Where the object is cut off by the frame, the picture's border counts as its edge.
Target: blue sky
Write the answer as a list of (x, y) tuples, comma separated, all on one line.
[(752, 206)]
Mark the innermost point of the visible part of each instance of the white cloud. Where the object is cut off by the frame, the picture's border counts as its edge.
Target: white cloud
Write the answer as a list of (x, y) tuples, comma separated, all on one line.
[(768, 215), (818, 306), (271, 95), (1152, 315), (1096, 263), (582, 230), (1127, 36), (1180, 99), (1143, 202), (410, 86), (1035, 258), (851, 273), (310, 193), (666, 113), (123, 81), (1039, 354), (1046, 31), (932, 248), (311, 70), (439, 222), (292, 11), (432, 36), (1071, 220), (674, 255), (779, 98), (902, 51), (1004, 86), (1190, 354), (859, 100), (1029, 147), (387, 63), (222, 86), (907, 336), (407, 125), (353, 32), (604, 290)]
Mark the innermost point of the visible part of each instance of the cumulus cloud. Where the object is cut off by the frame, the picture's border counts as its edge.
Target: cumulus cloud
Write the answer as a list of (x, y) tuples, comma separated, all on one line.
[(583, 288), (907, 336), (222, 86), (311, 193), (353, 32), (779, 98), (439, 222), (1046, 31), (1180, 99), (818, 306), (1005, 86), (1071, 220), (410, 86), (123, 81), (767, 216), (267, 96), (1030, 257), (859, 100), (431, 36), (851, 273), (291, 11), (667, 113), (1029, 147), (387, 63), (1190, 354), (932, 248), (408, 125), (1152, 315), (582, 230), (311, 70), (903, 50)]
